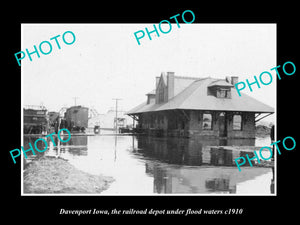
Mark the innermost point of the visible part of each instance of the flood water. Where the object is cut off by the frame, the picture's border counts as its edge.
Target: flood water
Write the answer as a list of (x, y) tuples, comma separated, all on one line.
[(147, 165)]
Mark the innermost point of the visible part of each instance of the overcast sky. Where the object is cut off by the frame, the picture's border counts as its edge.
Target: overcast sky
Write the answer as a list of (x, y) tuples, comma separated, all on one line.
[(106, 62)]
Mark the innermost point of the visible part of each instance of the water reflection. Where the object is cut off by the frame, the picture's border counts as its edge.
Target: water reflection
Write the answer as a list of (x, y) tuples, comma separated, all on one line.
[(208, 180), (193, 152), (199, 166), (76, 146), (219, 184), (29, 154), (147, 165)]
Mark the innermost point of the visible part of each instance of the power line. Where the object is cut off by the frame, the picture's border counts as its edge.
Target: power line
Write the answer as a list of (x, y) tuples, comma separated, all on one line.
[(116, 119)]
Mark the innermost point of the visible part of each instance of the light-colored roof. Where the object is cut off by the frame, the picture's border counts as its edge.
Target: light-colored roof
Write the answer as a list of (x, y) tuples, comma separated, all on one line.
[(219, 83), (195, 97), (153, 92)]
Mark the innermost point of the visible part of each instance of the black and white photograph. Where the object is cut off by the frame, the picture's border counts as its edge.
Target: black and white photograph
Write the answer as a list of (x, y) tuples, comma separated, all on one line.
[(140, 113), (129, 109)]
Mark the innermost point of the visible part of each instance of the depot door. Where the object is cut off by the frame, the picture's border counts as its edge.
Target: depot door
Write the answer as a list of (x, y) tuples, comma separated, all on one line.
[(222, 124)]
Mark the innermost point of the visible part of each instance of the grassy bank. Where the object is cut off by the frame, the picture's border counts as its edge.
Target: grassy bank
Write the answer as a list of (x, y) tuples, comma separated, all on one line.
[(55, 175)]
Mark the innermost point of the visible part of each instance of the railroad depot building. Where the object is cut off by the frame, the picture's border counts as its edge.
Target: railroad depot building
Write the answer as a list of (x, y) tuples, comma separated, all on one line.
[(189, 106)]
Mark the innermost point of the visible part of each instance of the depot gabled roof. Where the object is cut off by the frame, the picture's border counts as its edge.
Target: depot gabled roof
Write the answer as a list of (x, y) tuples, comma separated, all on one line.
[(195, 97)]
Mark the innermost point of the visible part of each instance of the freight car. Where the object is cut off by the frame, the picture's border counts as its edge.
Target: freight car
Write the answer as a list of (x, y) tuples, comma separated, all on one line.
[(76, 118), (35, 120)]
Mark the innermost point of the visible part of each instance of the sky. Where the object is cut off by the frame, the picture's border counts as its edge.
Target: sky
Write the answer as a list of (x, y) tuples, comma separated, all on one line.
[(106, 62)]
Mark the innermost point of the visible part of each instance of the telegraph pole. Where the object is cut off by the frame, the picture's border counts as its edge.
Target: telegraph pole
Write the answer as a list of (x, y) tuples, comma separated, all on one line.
[(75, 99), (116, 120)]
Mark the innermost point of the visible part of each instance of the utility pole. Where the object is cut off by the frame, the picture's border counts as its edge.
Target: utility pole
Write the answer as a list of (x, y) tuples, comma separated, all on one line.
[(116, 119), (75, 99)]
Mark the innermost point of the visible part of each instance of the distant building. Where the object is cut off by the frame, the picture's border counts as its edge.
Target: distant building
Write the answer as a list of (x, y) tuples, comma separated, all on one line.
[(35, 120), (188, 106), (107, 121), (53, 117)]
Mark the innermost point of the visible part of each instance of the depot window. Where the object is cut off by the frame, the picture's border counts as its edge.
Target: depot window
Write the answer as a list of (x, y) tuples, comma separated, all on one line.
[(207, 121), (237, 122), (223, 93)]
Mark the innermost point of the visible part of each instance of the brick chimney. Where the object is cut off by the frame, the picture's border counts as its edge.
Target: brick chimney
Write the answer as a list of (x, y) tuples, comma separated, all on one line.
[(170, 84), (228, 79), (234, 80)]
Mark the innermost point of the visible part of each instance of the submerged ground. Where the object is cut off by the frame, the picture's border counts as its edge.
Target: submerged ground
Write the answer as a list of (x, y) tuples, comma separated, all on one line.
[(146, 165)]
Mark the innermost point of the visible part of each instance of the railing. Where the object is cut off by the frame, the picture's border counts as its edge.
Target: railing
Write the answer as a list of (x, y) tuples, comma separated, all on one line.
[(35, 107)]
